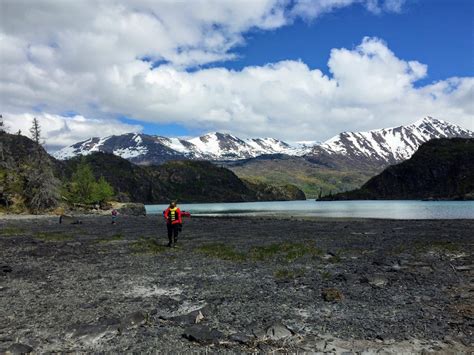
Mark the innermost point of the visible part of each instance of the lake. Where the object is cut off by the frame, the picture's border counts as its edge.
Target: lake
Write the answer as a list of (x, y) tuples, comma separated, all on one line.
[(338, 209)]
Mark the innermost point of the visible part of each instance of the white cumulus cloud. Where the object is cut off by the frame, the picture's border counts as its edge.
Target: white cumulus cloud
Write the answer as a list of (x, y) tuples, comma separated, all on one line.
[(109, 58)]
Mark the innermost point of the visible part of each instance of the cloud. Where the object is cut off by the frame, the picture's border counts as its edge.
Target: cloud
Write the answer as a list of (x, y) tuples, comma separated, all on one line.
[(312, 9), (60, 131), (109, 58)]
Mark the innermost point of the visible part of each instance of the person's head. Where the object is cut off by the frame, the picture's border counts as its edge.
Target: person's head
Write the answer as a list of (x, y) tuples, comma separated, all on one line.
[(173, 204)]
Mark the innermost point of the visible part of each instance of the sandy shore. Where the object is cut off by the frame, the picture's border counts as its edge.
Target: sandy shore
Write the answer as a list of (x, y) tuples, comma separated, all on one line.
[(237, 284)]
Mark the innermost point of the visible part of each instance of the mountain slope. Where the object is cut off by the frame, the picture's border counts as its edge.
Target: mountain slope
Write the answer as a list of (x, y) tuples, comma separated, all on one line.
[(440, 169), (383, 147), (311, 177), (185, 180)]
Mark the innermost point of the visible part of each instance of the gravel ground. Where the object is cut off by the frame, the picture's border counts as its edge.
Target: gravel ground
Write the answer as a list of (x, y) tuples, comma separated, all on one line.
[(236, 284)]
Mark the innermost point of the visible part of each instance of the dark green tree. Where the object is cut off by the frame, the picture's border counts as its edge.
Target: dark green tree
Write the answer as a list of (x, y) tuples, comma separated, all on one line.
[(102, 190), (85, 189), (83, 184)]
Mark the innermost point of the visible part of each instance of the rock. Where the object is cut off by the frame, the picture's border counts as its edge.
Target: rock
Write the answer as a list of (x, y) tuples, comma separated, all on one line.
[(193, 317), (133, 320), (375, 281), (332, 295), (91, 333), (464, 267), (278, 331), (132, 209), (19, 348), (240, 338), (69, 219), (202, 334), (6, 268), (340, 278)]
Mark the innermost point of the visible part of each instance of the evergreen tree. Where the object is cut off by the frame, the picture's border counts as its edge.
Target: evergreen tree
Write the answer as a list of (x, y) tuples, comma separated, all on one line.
[(85, 189), (103, 190), (35, 131), (42, 189), (2, 124), (83, 184)]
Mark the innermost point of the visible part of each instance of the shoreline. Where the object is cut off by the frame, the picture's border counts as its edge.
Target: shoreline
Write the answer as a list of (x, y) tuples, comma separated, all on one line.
[(238, 285)]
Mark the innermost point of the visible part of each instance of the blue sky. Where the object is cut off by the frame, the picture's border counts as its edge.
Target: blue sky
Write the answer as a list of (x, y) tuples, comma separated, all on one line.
[(289, 69), (439, 33)]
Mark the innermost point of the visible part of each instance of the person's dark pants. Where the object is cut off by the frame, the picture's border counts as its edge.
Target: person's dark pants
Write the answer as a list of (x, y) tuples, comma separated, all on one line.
[(173, 230)]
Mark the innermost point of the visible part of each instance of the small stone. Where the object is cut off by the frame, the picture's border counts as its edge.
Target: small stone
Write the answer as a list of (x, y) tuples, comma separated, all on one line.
[(375, 281), (202, 334), (19, 348), (378, 282), (332, 295), (199, 317)]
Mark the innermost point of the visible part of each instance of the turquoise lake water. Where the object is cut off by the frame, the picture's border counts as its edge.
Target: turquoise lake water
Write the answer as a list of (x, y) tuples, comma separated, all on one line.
[(339, 209)]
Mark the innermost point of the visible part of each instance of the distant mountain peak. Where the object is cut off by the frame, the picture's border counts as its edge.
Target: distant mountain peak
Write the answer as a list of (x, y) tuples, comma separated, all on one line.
[(388, 145)]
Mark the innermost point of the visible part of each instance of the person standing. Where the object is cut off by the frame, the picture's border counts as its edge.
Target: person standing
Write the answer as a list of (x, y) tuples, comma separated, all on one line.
[(173, 217), (114, 216)]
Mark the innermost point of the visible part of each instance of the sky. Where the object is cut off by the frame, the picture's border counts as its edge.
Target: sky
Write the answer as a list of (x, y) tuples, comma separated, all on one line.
[(296, 70)]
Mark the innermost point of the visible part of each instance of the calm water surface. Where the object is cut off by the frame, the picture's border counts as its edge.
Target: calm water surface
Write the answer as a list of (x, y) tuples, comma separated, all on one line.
[(341, 209)]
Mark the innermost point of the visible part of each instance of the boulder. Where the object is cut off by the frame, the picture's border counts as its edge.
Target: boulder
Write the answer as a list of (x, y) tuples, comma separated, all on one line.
[(132, 209), (278, 331), (69, 219), (202, 334)]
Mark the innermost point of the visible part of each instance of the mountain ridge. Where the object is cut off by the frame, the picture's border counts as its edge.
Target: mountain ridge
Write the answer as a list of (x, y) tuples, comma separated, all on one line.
[(375, 148)]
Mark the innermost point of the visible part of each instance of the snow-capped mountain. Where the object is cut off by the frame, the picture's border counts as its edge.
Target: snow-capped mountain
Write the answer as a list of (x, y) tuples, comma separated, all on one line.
[(387, 146), (146, 149), (379, 147)]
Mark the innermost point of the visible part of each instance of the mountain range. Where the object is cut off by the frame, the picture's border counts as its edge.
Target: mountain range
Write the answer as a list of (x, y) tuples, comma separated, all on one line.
[(376, 148), (144, 149), (344, 162)]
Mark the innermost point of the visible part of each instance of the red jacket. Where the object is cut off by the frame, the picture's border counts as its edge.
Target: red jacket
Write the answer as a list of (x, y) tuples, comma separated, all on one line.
[(173, 219)]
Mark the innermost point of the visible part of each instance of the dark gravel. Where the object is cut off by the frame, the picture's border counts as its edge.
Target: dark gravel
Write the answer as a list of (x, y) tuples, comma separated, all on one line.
[(310, 285)]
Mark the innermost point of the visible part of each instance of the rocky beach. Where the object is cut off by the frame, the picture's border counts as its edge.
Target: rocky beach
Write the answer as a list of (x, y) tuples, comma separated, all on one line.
[(236, 285)]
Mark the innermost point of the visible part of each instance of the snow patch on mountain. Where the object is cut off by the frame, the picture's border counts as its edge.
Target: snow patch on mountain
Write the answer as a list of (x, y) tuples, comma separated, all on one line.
[(384, 146)]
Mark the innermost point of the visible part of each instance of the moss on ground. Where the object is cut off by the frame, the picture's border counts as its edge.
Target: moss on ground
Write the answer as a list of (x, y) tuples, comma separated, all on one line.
[(221, 251), (147, 246), (280, 251), (52, 236), (11, 231), (284, 251), (117, 236)]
